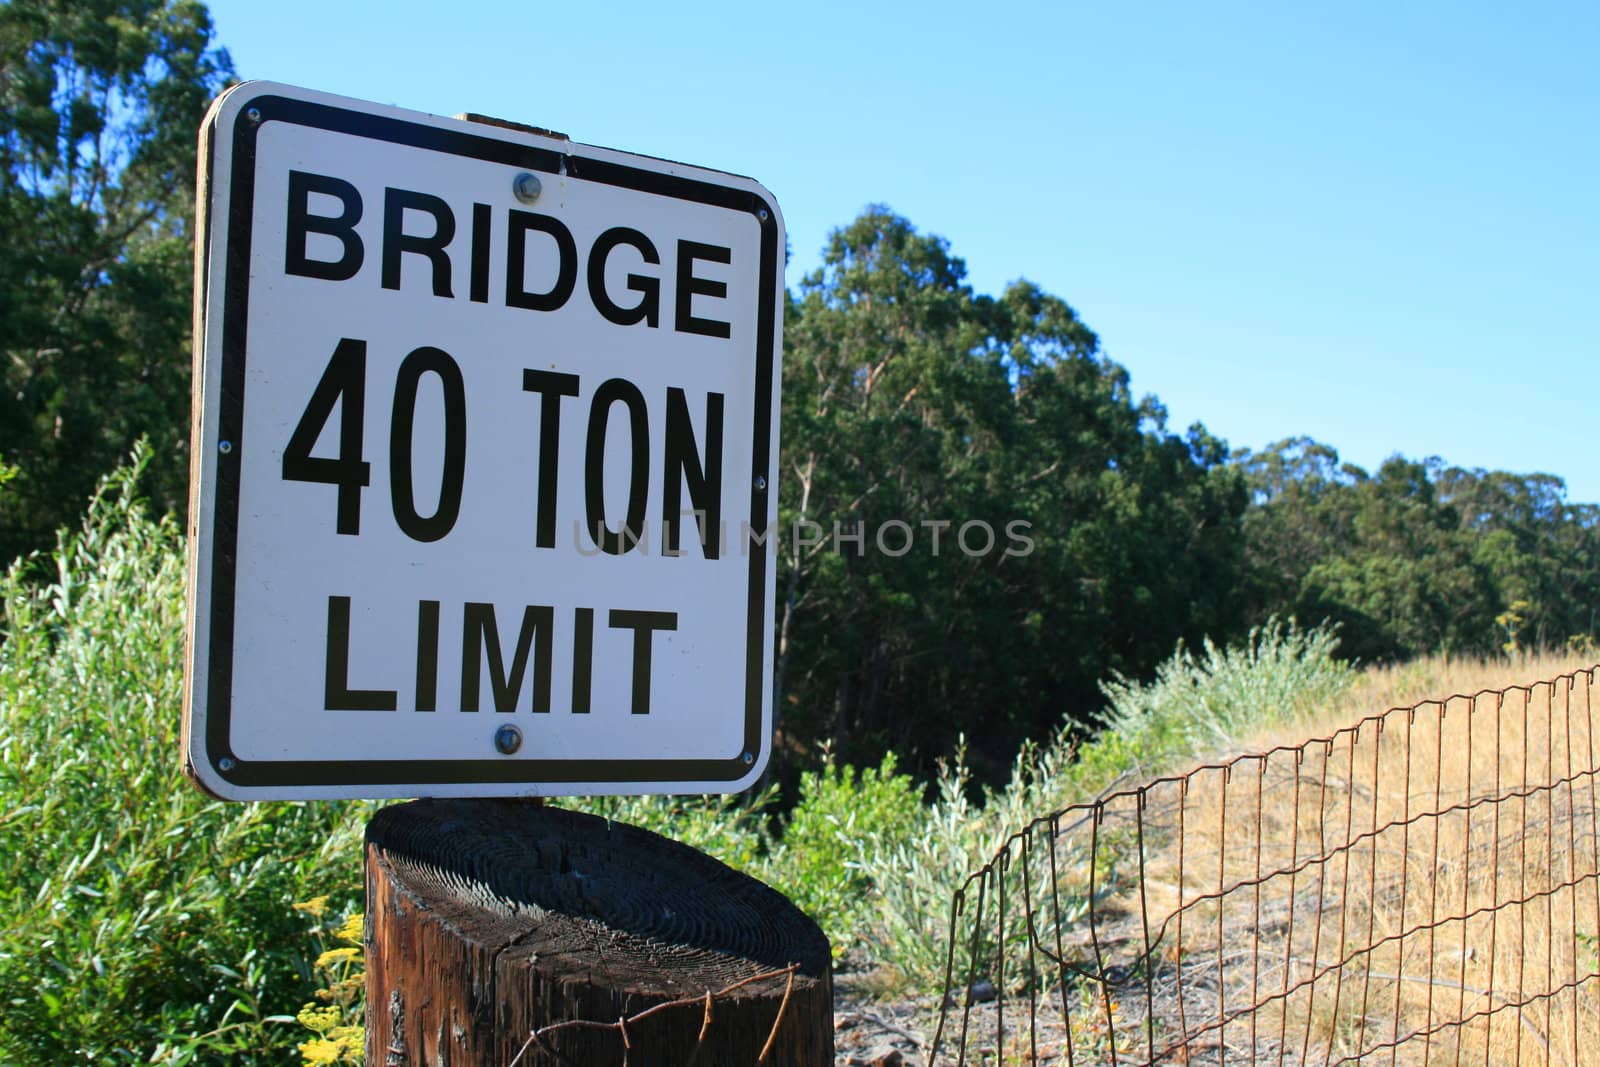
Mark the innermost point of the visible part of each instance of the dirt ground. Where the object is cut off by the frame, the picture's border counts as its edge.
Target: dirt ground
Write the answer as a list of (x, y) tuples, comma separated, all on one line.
[(868, 1032)]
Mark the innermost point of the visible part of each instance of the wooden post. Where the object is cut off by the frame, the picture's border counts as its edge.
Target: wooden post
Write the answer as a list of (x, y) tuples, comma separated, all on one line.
[(489, 920)]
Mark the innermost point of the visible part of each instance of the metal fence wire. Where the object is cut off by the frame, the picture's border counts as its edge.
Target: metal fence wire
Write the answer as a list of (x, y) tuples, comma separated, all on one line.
[(1420, 887)]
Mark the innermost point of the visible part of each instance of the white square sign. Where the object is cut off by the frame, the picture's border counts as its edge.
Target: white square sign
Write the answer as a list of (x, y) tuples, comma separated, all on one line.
[(485, 455)]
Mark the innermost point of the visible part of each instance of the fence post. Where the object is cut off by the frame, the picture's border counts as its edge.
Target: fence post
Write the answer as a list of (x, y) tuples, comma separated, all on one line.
[(489, 920)]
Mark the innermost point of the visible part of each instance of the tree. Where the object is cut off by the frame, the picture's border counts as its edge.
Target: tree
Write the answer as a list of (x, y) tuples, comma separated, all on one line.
[(100, 101), (1419, 557), (1543, 552), (915, 409)]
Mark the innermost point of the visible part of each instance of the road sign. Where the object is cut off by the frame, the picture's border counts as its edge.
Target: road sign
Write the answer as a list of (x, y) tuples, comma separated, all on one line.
[(485, 450)]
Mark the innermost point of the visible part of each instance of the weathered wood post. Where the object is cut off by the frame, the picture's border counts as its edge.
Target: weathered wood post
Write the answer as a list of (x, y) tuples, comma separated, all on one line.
[(492, 920)]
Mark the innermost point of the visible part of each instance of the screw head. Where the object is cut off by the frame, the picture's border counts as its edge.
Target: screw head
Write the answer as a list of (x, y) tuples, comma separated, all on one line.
[(507, 740), (224, 447), (526, 187), (762, 215), (748, 758), (226, 763), (761, 483), (253, 114)]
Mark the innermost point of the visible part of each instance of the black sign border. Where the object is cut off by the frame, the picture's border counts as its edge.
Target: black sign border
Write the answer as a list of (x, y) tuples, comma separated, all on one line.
[(251, 116)]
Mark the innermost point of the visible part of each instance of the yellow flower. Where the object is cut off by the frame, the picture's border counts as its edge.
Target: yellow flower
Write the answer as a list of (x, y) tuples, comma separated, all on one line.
[(337, 955), (351, 931), (345, 990), (343, 1048), (319, 1019), (313, 907), (319, 1051)]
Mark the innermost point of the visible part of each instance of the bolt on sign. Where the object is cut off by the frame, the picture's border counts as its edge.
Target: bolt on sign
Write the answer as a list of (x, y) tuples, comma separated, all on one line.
[(485, 449)]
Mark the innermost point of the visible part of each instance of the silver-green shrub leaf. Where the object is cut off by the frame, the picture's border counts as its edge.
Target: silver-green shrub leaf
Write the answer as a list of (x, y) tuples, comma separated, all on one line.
[(145, 921)]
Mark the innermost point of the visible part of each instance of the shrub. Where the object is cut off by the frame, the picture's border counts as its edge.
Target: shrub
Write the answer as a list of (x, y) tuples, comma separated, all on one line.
[(1211, 703), (145, 921), (842, 815), (733, 829), (152, 924)]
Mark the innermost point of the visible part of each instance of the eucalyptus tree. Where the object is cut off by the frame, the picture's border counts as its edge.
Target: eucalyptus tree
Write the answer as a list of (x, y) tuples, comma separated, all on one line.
[(987, 519), (100, 101)]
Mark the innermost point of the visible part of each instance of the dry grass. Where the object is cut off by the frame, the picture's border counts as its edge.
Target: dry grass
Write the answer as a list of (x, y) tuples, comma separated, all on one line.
[(1422, 881), (1417, 885), (1403, 685)]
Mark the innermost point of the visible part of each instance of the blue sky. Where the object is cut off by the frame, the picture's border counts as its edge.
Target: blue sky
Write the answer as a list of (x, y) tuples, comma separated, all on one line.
[(1374, 224)]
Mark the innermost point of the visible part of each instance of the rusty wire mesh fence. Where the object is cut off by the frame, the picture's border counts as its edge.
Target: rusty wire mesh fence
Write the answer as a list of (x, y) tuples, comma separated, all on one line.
[(1420, 887)]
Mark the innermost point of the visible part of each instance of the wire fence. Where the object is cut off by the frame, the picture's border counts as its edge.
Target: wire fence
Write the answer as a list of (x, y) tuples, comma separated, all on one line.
[(1420, 887)]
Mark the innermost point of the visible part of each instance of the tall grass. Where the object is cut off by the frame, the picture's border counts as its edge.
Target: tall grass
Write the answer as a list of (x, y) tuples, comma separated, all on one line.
[(1299, 873), (1507, 872), (1397, 873), (144, 922)]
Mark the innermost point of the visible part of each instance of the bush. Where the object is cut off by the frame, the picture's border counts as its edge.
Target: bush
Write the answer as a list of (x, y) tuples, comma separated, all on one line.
[(733, 829), (1210, 704), (842, 815), (145, 921)]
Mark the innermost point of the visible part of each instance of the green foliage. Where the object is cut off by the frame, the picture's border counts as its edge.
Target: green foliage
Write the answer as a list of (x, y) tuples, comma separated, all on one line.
[(733, 829), (810, 854), (842, 814), (153, 923), (1207, 704), (99, 104), (914, 876), (909, 398), (1419, 557), (144, 920)]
